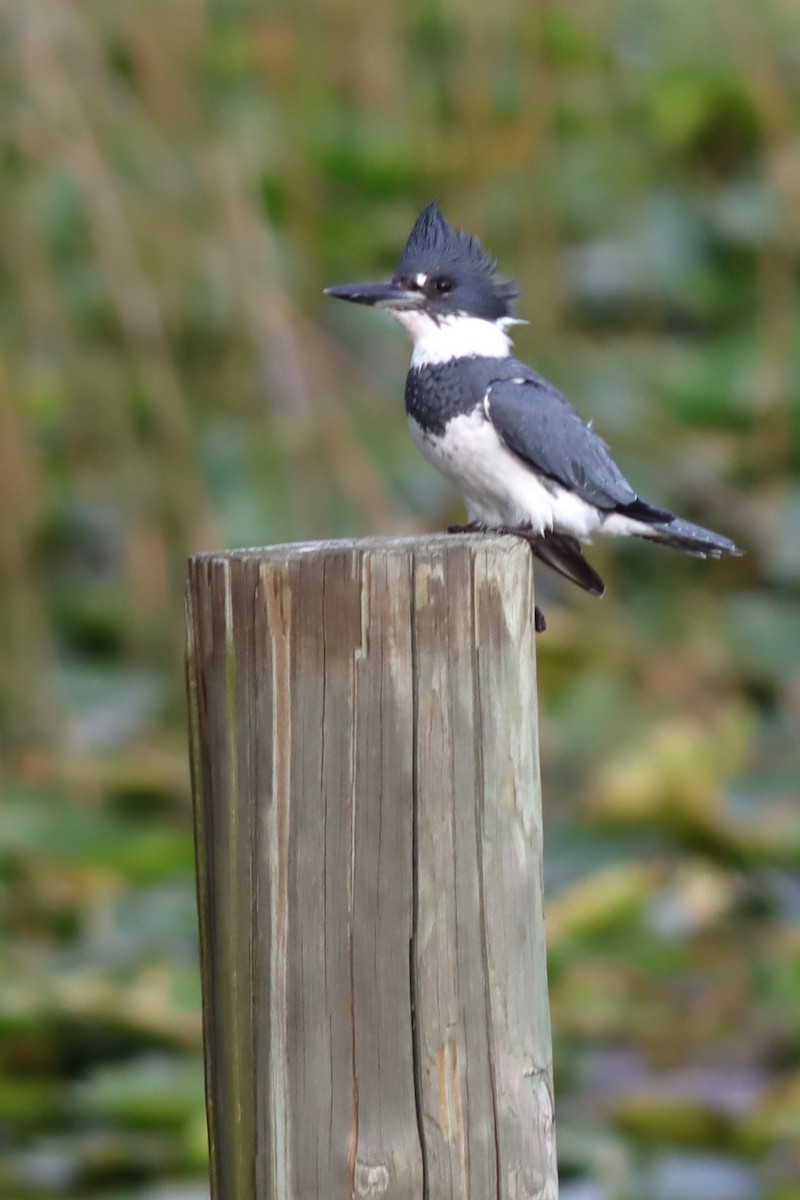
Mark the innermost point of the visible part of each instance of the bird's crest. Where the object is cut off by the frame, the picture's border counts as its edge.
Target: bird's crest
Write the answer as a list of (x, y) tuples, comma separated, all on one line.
[(433, 245)]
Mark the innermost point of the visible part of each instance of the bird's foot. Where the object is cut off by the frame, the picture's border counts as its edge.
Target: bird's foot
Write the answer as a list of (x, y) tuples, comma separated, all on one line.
[(473, 527), (521, 531)]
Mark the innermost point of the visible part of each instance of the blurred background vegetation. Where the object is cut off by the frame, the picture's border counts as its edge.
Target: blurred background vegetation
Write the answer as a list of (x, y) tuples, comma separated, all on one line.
[(179, 182)]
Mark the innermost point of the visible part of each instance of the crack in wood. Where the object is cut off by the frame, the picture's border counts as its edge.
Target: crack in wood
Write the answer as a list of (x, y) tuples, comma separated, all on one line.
[(413, 969)]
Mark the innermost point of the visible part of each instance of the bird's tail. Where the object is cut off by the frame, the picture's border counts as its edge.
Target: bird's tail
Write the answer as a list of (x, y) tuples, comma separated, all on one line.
[(660, 525), (563, 554), (690, 538)]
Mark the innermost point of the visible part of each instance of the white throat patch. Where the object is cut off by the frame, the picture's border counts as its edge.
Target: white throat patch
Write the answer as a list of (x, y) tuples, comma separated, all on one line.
[(456, 336)]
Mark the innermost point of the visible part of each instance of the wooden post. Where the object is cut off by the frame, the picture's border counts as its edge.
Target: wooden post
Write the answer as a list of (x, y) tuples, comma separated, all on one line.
[(368, 823)]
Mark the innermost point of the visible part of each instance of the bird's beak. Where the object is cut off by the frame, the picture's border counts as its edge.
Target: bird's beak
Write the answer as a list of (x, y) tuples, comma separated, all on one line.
[(379, 295)]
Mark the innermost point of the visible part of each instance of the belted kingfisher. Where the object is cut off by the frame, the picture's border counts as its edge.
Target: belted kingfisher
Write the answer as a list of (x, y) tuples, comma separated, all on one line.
[(520, 455)]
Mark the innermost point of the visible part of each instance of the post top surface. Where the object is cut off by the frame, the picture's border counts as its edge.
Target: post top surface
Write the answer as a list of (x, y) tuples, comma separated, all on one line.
[(416, 543)]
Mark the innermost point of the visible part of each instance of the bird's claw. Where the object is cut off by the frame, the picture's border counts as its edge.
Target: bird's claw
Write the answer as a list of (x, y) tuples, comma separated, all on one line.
[(473, 527)]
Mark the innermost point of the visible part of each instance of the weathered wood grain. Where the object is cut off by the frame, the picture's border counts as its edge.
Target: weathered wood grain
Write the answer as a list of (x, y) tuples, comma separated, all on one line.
[(365, 772)]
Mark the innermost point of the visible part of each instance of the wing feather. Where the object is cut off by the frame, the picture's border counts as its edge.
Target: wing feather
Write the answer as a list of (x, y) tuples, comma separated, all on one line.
[(538, 424)]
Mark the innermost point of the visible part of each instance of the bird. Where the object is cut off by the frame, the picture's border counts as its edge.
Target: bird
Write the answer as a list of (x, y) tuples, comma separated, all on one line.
[(523, 459)]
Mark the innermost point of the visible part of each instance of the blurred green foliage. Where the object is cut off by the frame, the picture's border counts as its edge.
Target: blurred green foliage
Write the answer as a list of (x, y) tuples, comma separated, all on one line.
[(179, 181)]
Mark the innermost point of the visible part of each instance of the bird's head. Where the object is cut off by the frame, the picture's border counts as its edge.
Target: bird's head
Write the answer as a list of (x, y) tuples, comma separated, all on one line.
[(443, 280)]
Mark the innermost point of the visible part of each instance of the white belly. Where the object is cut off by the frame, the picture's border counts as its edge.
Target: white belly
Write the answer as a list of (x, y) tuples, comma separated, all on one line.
[(497, 486)]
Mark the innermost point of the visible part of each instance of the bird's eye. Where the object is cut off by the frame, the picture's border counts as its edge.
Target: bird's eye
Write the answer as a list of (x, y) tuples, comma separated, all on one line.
[(443, 285)]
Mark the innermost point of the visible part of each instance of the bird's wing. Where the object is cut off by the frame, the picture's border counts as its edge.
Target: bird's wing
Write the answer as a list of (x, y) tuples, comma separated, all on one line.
[(537, 423)]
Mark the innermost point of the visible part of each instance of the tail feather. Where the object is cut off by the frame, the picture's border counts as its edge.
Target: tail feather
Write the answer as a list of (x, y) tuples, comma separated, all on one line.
[(690, 538), (563, 553)]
